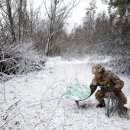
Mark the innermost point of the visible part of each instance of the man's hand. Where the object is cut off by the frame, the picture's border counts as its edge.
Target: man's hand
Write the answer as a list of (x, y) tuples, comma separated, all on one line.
[(115, 90), (93, 88)]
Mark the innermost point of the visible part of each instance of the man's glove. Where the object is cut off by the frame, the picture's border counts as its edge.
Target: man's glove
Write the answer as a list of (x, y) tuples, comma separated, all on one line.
[(93, 88), (115, 90)]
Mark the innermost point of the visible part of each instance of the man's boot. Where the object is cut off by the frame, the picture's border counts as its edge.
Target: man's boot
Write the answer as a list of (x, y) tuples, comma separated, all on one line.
[(101, 104)]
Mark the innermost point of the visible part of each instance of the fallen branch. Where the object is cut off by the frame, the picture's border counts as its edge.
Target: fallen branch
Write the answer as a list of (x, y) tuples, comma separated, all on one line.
[(114, 105), (9, 120), (14, 104), (53, 113)]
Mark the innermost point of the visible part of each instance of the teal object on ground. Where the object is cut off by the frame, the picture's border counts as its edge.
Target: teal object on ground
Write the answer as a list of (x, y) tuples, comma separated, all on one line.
[(77, 91)]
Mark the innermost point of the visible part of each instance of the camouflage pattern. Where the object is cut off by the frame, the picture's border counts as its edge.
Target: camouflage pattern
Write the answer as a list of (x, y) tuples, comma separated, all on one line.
[(100, 94), (107, 83)]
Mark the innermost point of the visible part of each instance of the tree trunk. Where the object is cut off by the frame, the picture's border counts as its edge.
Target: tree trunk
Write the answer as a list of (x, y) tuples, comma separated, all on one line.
[(20, 13), (9, 13)]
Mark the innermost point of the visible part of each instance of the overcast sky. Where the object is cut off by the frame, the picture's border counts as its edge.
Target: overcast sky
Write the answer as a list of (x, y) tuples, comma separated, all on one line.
[(78, 12)]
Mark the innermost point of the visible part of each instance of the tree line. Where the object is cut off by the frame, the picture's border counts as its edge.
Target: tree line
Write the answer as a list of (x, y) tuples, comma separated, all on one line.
[(102, 34)]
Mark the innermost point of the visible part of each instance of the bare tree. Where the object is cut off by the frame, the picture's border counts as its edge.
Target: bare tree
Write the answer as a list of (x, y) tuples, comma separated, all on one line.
[(10, 18), (20, 16), (56, 17)]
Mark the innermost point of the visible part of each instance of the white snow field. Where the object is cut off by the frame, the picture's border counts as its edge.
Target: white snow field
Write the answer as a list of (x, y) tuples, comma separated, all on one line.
[(36, 102)]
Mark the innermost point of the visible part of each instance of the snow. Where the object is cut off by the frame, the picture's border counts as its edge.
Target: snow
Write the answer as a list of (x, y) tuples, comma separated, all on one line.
[(37, 102)]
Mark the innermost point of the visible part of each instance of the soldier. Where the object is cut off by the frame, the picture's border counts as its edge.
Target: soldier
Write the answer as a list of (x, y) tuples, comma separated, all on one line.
[(107, 81)]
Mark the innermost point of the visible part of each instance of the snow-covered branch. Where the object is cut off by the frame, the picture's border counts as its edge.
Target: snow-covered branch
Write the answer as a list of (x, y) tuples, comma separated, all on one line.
[(19, 59)]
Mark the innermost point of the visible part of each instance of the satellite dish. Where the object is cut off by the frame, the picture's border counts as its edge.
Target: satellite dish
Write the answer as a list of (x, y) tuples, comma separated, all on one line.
[(77, 91)]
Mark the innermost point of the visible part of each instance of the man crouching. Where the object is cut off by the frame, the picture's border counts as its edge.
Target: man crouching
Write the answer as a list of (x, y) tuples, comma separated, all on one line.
[(108, 82)]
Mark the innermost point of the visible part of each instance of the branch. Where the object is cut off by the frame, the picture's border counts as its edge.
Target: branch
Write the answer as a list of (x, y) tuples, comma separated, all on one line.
[(10, 119), (53, 113), (44, 2), (14, 104)]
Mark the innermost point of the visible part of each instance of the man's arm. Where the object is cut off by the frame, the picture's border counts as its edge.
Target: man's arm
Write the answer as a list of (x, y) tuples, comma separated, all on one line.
[(93, 86), (117, 81)]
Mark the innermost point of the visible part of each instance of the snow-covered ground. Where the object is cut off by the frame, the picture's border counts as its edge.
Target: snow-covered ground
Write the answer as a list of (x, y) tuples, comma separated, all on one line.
[(35, 101)]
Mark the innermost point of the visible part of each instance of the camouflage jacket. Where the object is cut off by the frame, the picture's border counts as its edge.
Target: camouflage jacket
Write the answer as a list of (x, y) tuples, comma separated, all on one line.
[(108, 81)]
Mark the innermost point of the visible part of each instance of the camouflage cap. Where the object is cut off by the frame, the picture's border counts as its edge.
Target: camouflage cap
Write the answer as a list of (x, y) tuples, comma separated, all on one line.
[(97, 69)]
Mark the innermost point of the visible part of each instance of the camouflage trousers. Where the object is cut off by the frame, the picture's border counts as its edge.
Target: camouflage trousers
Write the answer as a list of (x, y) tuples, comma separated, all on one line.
[(100, 94)]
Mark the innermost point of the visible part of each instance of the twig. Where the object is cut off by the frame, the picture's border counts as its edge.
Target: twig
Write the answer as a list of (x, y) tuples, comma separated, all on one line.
[(5, 96), (115, 106), (10, 119), (46, 91), (41, 121), (53, 114), (33, 105), (64, 118), (14, 104)]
